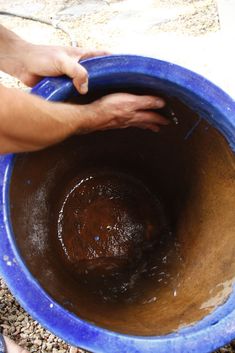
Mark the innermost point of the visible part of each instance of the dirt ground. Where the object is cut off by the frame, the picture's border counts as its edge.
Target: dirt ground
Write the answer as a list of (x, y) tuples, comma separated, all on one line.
[(174, 30)]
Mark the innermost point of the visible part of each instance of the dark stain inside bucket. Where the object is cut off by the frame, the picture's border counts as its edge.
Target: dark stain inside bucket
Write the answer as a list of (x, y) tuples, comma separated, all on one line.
[(114, 236)]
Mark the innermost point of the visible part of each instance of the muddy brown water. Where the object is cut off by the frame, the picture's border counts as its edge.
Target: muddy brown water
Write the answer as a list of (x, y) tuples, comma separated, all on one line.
[(130, 230), (113, 236)]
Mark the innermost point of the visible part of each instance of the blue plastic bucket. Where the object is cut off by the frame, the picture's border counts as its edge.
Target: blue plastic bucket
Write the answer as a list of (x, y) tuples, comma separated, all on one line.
[(212, 104)]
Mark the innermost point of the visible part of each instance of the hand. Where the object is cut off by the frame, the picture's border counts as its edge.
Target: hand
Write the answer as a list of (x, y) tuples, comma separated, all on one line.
[(36, 61), (29, 62), (122, 110), (47, 123)]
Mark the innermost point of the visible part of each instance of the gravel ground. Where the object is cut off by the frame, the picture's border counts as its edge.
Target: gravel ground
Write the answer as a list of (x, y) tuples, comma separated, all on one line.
[(19, 326), (94, 23)]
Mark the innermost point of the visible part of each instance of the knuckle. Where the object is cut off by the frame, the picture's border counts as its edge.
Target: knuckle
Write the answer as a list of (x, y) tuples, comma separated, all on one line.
[(152, 102), (79, 72), (149, 102), (59, 57), (119, 120), (82, 72), (146, 117), (134, 102), (59, 60)]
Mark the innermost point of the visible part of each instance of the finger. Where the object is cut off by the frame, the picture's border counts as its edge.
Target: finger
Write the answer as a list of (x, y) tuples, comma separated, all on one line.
[(149, 102), (30, 80), (12, 347), (152, 127), (68, 66), (79, 53), (149, 117), (94, 53)]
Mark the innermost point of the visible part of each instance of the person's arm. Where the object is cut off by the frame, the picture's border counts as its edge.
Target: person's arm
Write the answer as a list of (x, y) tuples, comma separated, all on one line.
[(29, 62), (29, 123)]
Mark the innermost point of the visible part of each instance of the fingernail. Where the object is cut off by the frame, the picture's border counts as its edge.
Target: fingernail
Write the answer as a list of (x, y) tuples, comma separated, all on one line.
[(160, 102), (84, 88)]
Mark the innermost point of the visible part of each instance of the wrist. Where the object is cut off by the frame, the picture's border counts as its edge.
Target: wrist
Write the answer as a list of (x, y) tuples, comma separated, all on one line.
[(85, 118), (69, 119)]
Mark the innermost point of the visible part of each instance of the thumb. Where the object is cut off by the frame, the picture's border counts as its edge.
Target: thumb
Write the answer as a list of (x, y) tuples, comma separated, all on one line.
[(77, 72)]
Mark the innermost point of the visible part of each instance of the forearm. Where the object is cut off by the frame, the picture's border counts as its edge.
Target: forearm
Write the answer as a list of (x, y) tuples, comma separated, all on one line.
[(29, 123), (10, 45)]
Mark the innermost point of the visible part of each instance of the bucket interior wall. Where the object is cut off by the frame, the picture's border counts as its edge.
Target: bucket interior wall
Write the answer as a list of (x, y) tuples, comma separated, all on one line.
[(192, 175)]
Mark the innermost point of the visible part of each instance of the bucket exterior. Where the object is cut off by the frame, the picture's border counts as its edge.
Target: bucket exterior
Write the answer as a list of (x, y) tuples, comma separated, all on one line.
[(212, 104)]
